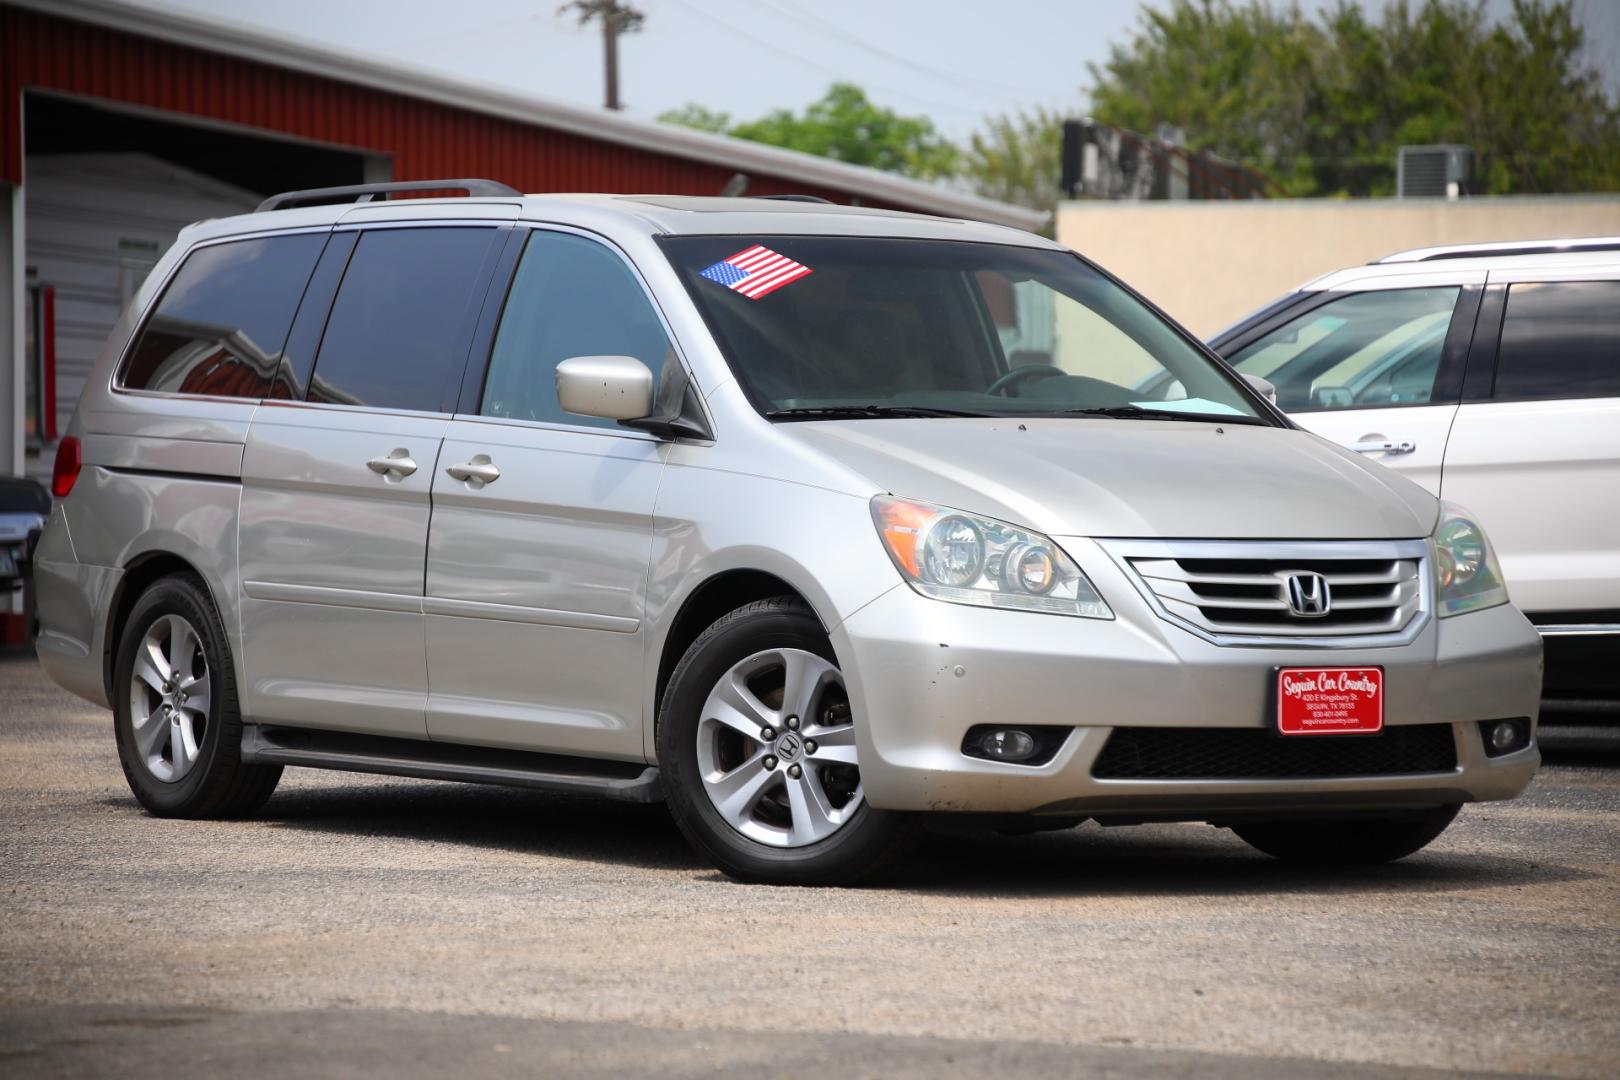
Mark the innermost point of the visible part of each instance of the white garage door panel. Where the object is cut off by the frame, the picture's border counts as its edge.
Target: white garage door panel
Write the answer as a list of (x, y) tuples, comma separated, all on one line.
[(96, 223)]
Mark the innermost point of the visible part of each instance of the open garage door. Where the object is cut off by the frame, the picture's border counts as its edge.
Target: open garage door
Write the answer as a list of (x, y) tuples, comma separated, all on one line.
[(96, 224), (106, 190)]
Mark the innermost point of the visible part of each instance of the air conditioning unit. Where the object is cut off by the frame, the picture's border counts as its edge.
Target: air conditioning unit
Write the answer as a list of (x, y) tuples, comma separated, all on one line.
[(1433, 171)]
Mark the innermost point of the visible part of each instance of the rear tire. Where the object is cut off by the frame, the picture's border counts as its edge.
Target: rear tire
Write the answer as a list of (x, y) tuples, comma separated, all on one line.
[(730, 736), (1350, 842), (175, 713)]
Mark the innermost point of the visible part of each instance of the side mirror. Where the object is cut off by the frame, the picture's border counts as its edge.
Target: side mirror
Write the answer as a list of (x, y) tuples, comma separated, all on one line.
[(1265, 387), (1332, 397), (610, 387)]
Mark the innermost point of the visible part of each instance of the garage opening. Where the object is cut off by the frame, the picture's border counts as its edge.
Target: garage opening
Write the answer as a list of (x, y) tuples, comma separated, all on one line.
[(106, 191)]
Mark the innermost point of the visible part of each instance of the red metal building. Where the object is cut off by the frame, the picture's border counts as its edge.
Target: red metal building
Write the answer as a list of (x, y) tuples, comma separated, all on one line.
[(119, 124)]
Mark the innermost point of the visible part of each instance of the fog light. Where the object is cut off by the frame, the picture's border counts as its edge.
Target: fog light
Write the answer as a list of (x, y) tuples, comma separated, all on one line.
[(1008, 744), (1029, 744), (1505, 736)]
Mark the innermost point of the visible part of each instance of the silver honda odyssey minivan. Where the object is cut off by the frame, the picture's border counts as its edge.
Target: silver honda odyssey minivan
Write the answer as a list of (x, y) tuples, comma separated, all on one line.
[(815, 523)]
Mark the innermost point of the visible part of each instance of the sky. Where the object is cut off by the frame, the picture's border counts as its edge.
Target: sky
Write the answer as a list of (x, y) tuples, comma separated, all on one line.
[(954, 61)]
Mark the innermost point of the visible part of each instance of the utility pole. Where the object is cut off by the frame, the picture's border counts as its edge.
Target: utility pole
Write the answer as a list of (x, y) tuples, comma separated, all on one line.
[(616, 18)]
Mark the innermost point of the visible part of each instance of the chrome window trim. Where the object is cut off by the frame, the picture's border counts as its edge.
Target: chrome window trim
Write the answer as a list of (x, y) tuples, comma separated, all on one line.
[(551, 425), (347, 410), (1122, 551), (1578, 629)]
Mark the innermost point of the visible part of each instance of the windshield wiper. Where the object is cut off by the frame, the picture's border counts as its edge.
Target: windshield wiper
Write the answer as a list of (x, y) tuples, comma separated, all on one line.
[(1137, 412), (846, 412)]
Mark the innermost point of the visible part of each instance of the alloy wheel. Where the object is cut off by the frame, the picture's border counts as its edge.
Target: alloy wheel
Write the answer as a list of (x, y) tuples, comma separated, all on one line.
[(169, 698), (776, 748)]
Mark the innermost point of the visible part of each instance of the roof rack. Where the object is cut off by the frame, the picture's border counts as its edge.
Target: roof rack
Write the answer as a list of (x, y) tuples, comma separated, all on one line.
[(796, 198), (363, 193), (1516, 247)]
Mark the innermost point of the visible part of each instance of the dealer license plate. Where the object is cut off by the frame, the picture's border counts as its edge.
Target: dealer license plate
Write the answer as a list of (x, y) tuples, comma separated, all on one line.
[(1330, 701)]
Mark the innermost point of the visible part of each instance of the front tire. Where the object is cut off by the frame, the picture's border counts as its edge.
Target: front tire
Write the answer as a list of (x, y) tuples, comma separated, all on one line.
[(1349, 842), (756, 743), (175, 713)]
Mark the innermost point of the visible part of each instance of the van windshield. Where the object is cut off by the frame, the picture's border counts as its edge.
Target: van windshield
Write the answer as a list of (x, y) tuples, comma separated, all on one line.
[(851, 327)]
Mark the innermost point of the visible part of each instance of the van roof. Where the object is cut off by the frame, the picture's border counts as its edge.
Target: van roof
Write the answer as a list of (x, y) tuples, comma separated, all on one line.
[(671, 215)]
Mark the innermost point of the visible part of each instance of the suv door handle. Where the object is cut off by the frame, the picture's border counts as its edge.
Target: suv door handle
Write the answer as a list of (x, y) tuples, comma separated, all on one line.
[(477, 472), (1383, 446), (399, 463)]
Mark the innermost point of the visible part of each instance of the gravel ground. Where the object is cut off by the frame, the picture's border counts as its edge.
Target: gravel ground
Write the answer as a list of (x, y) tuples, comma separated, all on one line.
[(423, 928)]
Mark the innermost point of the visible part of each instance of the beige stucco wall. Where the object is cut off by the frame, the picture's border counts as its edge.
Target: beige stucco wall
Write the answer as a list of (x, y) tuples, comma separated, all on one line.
[(1209, 263)]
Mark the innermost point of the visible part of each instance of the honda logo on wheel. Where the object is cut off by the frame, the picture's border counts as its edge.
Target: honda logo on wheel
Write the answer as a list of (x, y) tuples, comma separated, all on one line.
[(1308, 595)]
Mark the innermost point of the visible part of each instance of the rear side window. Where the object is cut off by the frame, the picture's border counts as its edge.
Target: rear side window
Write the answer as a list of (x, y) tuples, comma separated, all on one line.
[(398, 332), (1367, 350), (221, 324), (1560, 340)]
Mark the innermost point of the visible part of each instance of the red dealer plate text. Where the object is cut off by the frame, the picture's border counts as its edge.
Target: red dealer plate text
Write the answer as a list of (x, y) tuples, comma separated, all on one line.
[(1330, 701)]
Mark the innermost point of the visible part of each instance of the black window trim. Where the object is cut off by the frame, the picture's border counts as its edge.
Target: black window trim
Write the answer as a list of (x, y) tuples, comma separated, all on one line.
[(115, 377), (315, 307), (482, 348), (1456, 354), (1480, 381)]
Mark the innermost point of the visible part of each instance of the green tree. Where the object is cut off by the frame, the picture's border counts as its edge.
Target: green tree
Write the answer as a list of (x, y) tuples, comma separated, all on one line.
[(1322, 104), (1016, 159), (1234, 80), (844, 125), (697, 116)]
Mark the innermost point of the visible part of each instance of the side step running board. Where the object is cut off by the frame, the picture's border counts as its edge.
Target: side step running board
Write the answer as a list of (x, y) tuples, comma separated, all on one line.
[(623, 780)]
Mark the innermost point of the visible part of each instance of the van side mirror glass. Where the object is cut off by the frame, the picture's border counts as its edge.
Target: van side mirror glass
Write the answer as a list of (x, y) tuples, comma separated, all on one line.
[(610, 387)]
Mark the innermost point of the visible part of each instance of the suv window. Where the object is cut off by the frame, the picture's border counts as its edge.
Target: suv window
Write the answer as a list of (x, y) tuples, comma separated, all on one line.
[(570, 297), (1366, 350), (397, 334), (1560, 340), (223, 319)]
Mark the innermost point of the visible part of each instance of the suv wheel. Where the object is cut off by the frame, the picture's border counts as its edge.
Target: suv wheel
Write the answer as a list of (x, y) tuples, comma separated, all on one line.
[(756, 742), (1346, 843), (175, 713)]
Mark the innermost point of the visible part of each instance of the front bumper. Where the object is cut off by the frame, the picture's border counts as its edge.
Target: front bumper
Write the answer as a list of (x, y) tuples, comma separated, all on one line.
[(922, 672)]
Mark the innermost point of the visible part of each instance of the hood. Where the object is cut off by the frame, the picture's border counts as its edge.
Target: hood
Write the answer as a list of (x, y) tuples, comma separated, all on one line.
[(1131, 478)]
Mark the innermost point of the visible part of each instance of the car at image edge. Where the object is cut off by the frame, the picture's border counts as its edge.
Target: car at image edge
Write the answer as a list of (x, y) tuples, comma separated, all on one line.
[(1490, 374), (812, 521)]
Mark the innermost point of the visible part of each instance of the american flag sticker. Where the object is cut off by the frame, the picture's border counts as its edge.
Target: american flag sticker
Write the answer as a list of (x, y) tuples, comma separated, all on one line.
[(756, 271)]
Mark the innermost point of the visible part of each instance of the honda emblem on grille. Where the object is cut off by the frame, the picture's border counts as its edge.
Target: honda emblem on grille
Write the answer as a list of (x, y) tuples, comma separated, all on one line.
[(1308, 595)]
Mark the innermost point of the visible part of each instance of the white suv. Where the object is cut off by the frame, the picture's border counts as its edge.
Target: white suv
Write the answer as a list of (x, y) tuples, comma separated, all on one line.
[(1490, 374)]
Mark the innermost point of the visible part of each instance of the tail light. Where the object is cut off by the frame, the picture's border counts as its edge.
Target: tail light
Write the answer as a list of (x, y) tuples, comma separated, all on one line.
[(69, 460)]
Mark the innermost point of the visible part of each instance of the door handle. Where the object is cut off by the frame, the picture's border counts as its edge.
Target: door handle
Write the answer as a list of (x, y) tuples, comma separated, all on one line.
[(399, 463), (477, 472), (1383, 446)]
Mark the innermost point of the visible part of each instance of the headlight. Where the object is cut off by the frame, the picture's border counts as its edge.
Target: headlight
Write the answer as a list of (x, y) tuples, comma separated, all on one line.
[(1467, 575), (967, 559)]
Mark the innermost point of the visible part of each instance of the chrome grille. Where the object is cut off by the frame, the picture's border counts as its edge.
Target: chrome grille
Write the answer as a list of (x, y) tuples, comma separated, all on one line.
[(1239, 592)]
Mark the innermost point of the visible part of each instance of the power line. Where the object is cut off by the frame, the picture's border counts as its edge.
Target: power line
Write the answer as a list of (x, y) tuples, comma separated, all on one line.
[(771, 46), (827, 28)]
